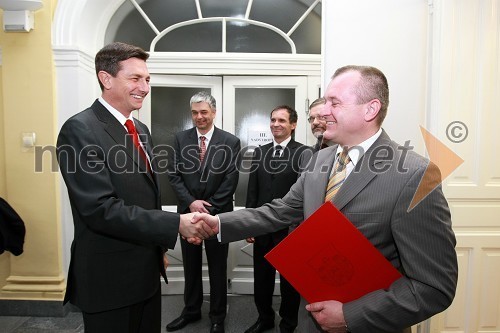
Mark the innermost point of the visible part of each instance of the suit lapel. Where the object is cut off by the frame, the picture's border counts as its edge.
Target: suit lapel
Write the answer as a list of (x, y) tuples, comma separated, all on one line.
[(325, 168), (111, 125), (192, 141), (362, 175), (211, 149), (145, 138), (267, 151), (290, 150), (119, 134)]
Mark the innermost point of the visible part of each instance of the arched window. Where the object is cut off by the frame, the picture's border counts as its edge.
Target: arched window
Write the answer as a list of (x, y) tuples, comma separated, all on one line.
[(245, 26)]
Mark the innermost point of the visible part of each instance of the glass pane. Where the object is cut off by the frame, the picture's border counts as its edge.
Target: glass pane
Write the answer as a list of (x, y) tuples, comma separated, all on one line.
[(170, 113), (281, 13), (307, 36), (308, 40), (202, 37), (164, 13), (251, 38), (127, 25), (253, 108), (219, 8)]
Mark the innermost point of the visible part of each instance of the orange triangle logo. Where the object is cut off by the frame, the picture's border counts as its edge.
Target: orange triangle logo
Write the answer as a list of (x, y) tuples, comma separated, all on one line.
[(445, 159)]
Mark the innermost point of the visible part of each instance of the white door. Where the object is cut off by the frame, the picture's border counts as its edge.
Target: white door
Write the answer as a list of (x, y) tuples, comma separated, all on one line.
[(243, 108), (248, 102)]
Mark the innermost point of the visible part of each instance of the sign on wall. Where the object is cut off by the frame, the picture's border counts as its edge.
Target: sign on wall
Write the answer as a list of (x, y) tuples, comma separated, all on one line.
[(258, 137)]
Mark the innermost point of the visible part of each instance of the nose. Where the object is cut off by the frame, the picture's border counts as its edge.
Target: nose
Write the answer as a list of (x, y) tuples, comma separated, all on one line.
[(144, 86), (326, 112)]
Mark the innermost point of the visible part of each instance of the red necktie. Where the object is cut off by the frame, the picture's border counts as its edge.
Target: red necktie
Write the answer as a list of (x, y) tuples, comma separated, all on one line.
[(129, 124), (203, 148)]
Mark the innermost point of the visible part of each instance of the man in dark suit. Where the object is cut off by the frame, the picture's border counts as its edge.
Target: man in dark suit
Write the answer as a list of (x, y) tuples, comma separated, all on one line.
[(120, 231), (376, 194), (275, 168), (203, 173)]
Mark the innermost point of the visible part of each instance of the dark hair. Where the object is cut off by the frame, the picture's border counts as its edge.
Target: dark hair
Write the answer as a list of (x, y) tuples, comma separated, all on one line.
[(373, 85), (109, 57), (292, 114)]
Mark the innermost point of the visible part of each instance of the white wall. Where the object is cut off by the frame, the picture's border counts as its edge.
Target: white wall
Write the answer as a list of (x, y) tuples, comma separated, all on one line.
[(441, 58), (392, 36)]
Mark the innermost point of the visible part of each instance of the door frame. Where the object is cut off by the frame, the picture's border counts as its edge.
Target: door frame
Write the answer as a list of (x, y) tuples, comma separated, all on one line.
[(240, 270)]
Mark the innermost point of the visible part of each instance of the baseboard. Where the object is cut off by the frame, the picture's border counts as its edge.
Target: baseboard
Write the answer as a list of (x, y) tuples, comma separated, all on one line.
[(35, 308)]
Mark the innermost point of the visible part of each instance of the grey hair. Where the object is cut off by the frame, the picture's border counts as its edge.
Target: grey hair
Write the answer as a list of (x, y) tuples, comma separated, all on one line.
[(203, 96), (317, 101)]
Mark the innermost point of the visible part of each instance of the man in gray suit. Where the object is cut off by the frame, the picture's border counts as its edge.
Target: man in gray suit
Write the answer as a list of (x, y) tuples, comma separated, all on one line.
[(382, 179)]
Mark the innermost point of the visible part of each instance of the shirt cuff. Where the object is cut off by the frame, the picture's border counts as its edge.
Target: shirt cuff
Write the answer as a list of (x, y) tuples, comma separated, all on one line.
[(219, 237)]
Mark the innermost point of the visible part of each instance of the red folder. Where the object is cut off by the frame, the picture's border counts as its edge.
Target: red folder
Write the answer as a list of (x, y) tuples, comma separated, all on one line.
[(327, 258)]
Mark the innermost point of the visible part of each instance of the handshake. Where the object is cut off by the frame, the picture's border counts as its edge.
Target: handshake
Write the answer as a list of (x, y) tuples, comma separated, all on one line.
[(195, 227)]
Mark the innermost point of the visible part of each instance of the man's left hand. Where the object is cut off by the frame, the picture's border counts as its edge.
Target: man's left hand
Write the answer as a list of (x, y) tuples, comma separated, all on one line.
[(329, 315)]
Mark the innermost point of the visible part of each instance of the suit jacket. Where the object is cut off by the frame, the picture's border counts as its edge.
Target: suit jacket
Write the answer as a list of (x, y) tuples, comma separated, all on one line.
[(271, 177), (375, 198), (12, 230), (214, 180), (120, 230)]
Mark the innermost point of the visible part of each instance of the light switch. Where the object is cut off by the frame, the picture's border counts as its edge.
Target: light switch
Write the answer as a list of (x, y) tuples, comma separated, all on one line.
[(29, 139)]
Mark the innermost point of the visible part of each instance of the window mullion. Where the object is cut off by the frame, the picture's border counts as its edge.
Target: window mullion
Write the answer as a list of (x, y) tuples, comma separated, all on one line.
[(303, 17)]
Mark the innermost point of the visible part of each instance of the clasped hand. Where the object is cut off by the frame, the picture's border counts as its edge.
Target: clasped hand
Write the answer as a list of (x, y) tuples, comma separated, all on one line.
[(195, 227)]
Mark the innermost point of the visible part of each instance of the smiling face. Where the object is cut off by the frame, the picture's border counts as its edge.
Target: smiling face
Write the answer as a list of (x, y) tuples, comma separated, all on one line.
[(348, 122), (127, 90), (318, 125), (281, 127), (203, 116)]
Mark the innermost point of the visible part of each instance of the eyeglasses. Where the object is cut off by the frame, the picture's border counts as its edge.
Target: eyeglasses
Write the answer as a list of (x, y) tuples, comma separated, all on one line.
[(319, 118)]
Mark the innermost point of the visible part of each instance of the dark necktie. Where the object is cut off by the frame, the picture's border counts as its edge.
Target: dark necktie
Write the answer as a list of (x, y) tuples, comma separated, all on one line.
[(277, 151), (129, 124), (321, 144), (203, 148)]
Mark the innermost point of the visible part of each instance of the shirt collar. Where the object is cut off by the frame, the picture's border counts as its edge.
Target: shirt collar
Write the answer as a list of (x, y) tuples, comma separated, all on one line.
[(117, 114), (355, 153), (208, 135), (282, 144)]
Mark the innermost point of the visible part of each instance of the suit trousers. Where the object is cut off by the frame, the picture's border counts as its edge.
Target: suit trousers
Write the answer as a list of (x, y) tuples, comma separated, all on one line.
[(264, 278), (217, 271), (143, 317)]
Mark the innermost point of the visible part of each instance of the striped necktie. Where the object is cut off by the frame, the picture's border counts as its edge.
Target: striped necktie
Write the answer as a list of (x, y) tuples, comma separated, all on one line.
[(338, 176), (203, 148)]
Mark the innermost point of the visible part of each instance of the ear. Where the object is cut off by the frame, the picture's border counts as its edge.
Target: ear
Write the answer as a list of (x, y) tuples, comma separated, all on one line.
[(372, 109), (104, 78), (293, 126)]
